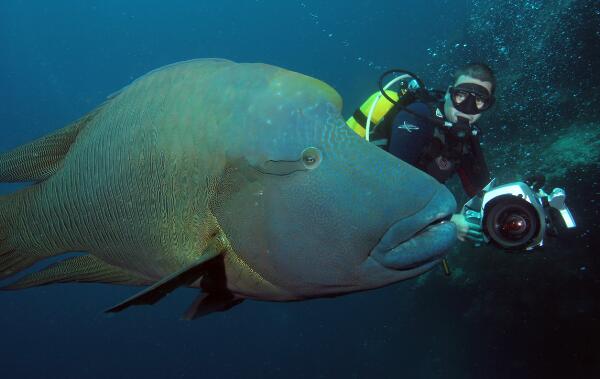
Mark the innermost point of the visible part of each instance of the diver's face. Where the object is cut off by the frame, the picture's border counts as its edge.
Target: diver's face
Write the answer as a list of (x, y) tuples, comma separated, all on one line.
[(452, 113)]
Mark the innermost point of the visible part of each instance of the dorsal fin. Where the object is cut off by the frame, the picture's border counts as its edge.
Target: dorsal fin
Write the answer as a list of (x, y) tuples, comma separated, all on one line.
[(40, 159)]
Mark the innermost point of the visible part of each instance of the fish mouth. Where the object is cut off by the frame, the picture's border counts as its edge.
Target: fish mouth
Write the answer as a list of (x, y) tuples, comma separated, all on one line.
[(408, 244)]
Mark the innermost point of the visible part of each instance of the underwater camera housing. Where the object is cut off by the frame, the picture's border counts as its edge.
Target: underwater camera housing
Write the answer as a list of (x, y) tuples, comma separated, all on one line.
[(519, 215)]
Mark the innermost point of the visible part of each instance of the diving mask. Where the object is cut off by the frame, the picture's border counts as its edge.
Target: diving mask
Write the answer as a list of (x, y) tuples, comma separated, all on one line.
[(471, 98)]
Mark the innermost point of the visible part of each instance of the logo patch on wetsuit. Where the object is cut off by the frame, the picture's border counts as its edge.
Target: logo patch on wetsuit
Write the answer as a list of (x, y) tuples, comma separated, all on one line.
[(438, 113), (408, 127), (443, 163)]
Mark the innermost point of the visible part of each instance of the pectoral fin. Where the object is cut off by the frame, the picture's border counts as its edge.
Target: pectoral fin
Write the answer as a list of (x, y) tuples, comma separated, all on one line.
[(162, 288), (211, 302), (215, 297)]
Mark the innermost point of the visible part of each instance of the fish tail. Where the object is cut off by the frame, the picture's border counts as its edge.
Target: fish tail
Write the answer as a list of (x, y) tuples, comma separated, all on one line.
[(12, 259), (23, 232), (33, 162)]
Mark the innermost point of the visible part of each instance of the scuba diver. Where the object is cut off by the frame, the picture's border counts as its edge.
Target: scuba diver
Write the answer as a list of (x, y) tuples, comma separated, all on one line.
[(434, 133)]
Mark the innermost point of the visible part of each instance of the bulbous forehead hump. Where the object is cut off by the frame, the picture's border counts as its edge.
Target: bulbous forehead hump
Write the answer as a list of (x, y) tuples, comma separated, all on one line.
[(291, 86)]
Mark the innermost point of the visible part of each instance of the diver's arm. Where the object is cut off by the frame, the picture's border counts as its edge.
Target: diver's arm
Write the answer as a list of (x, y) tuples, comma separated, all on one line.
[(474, 176), (470, 189), (466, 230), (473, 171)]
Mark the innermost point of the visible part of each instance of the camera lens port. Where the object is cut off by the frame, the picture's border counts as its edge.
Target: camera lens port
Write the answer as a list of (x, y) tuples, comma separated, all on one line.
[(510, 222)]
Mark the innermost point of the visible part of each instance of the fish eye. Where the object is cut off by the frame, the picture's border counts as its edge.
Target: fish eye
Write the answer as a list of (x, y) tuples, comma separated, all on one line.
[(311, 157), (309, 160)]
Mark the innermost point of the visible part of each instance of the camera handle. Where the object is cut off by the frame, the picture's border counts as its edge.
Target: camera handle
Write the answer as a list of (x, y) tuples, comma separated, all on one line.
[(556, 200)]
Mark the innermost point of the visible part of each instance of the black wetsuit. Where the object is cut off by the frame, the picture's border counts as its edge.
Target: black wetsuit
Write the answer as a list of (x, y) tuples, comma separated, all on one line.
[(426, 146)]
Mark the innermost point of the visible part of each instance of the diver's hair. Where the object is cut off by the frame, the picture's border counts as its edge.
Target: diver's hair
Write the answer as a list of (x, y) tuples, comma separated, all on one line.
[(479, 71)]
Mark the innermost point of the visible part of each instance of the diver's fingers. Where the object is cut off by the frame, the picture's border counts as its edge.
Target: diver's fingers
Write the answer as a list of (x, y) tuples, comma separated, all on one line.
[(476, 239), (474, 226), (474, 233)]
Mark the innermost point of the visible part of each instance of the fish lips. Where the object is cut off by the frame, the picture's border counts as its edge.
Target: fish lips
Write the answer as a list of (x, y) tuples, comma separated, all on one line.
[(408, 244)]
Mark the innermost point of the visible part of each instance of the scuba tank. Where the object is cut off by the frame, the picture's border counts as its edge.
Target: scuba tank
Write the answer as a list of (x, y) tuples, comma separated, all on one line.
[(377, 107), (373, 118)]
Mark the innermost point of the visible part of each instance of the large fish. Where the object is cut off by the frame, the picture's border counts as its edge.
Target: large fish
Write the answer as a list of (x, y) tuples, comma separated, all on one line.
[(239, 179)]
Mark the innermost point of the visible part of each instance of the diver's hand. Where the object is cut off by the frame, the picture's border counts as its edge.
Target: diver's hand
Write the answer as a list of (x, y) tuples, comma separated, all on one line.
[(466, 230)]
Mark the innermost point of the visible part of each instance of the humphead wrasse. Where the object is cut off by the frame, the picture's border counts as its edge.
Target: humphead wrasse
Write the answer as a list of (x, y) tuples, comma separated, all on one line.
[(242, 180)]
